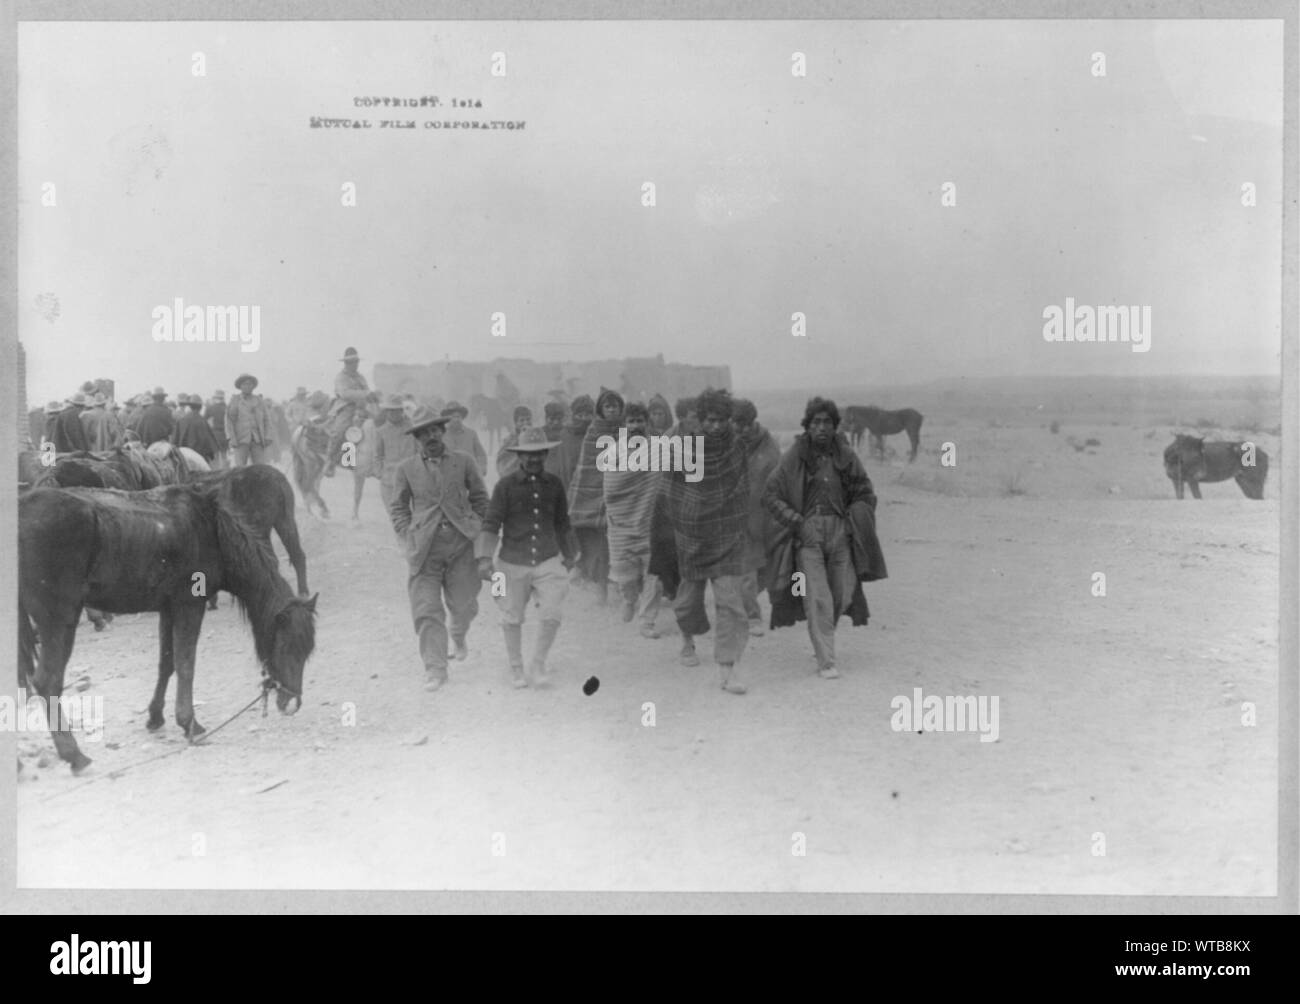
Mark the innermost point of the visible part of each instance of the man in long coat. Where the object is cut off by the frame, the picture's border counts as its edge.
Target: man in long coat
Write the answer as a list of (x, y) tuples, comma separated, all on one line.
[(825, 505), (438, 507), (156, 421)]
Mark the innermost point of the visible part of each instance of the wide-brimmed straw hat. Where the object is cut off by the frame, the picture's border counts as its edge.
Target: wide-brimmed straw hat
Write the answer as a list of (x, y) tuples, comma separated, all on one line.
[(350, 354), (532, 441), (54, 407), (424, 417), (243, 378), (455, 407)]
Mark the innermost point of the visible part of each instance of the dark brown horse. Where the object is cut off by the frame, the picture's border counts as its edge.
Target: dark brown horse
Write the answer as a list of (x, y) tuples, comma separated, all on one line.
[(135, 552), (263, 498), (1191, 460), (880, 424)]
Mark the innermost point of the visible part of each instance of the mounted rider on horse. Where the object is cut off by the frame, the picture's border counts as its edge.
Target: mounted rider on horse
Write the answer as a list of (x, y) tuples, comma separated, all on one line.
[(350, 392)]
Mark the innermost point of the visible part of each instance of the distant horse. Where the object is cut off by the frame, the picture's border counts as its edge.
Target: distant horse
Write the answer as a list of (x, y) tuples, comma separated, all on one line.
[(1192, 460), (311, 443), (136, 552), (490, 415), (881, 424), (263, 498)]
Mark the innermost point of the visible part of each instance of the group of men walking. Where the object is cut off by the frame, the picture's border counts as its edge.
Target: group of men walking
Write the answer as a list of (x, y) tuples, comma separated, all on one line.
[(798, 524)]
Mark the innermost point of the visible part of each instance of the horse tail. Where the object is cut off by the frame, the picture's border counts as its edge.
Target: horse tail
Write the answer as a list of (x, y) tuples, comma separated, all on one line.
[(1251, 479)]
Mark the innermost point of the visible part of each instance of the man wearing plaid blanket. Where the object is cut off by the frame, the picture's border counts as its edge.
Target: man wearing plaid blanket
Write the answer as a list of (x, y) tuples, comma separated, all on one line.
[(709, 518)]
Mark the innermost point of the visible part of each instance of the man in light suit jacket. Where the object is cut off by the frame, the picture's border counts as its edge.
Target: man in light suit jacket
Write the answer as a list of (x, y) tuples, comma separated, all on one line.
[(438, 504)]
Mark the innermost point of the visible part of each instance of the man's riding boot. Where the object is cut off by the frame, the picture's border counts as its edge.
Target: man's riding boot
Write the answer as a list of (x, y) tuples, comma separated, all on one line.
[(515, 651), (545, 638)]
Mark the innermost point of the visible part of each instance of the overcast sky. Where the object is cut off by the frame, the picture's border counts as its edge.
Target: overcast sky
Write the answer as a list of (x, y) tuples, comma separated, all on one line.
[(775, 194)]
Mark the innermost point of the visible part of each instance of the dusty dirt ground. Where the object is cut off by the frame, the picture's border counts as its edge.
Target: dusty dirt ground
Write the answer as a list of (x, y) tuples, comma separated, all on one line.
[(1120, 718)]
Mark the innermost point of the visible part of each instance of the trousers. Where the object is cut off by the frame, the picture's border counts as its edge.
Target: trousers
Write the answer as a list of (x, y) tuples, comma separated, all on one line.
[(449, 574), (731, 632), (824, 558)]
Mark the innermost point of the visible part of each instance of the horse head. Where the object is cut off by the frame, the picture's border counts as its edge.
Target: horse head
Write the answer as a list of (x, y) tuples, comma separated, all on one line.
[(292, 643), (1185, 455)]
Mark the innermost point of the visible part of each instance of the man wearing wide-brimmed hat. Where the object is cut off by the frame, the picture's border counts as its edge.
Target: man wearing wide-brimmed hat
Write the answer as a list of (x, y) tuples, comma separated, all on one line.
[(100, 426), (529, 517), (248, 423), (437, 507), (156, 421), (215, 415), (392, 445), (461, 437), (350, 390)]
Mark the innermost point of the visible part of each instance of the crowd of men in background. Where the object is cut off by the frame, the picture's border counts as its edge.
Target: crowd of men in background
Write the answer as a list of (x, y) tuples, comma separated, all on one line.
[(797, 524), (247, 429)]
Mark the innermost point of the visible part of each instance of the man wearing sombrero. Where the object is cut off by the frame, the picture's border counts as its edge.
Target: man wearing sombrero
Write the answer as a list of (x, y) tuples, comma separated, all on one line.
[(350, 390), (529, 516), (248, 424), (437, 507)]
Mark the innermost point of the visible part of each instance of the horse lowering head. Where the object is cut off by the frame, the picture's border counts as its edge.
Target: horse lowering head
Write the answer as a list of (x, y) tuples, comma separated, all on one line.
[(292, 641)]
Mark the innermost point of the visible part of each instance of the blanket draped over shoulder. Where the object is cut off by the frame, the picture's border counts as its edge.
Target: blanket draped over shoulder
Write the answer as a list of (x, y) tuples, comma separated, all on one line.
[(629, 506), (587, 489), (783, 498), (709, 517)]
